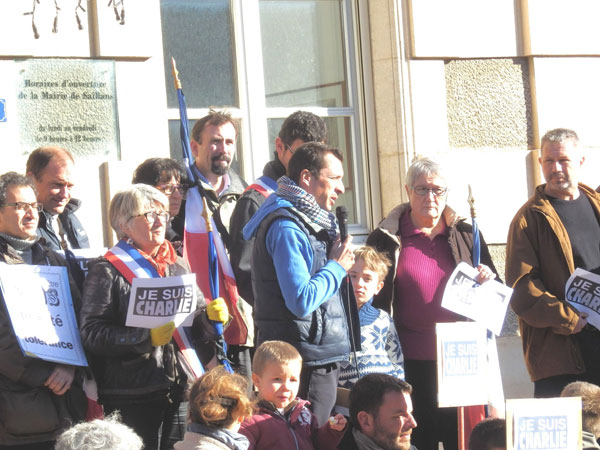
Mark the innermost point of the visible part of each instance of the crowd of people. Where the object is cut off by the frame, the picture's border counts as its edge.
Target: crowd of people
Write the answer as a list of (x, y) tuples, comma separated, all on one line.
[(331, 343)]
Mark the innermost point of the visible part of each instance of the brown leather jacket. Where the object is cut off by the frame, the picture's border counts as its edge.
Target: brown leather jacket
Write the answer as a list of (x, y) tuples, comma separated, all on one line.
[(539, 261)]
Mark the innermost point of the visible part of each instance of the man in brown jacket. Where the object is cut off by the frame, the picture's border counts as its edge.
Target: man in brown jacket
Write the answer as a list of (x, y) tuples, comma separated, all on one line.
[(556, 231)]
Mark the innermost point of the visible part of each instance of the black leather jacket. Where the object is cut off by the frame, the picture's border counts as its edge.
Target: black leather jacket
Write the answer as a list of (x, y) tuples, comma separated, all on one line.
[(126, 366)]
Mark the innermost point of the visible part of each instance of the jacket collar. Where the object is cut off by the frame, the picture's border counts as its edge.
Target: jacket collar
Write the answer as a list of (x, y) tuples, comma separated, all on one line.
[(73, 205), (541, 200), (391, 224), (274, 169)]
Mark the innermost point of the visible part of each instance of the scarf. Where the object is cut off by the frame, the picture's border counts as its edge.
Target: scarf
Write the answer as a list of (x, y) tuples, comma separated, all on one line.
[(21, 246), (165, 256), (306, 205), (363, 441), (233, 440)]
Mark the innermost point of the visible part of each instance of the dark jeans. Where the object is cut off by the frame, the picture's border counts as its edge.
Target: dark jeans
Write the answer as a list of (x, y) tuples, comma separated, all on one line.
[(318, 385), (39, 446), (433, 424), (146, 419)]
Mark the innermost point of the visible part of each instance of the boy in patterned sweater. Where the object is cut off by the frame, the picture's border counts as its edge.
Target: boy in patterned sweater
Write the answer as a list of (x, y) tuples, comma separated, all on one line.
[(381, 351)]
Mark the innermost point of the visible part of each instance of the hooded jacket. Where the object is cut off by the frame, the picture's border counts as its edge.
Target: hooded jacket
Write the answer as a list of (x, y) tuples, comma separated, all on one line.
[(539, 261), (29, 411), (296, 287), (296, 429)]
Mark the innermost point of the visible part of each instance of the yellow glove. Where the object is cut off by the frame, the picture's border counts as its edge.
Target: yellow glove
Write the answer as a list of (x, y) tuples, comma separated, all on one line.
[(217, 310), (162, 335)]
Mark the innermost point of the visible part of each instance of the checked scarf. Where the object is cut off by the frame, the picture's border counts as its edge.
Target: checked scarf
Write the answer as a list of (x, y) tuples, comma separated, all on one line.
[(306, 205)]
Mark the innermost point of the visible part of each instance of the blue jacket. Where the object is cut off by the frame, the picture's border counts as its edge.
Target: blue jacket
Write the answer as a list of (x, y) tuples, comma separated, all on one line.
[(296, 288)]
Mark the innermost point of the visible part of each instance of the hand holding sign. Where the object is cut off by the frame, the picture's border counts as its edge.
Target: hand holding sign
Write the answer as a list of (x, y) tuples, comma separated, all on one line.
[(162, 335), (217, 310)]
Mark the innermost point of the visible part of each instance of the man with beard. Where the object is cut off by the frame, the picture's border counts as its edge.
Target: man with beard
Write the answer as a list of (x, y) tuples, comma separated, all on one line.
[(213, 144), (51, 169), (554, 232), (380, 414)]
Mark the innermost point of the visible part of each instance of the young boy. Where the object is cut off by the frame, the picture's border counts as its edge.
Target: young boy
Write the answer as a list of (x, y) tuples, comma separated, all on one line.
[(381, 351), (284, 421)]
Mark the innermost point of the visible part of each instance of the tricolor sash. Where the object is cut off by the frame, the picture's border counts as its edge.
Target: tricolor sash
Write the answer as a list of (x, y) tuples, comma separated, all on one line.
[(264, 185), (195, 251), (131, 264)]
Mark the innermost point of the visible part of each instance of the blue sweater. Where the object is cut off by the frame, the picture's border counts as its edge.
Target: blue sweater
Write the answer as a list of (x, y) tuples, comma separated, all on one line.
[(292, 256)]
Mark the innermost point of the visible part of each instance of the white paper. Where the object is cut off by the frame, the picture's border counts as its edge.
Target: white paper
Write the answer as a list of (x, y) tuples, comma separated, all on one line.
[(551, 423), (156, 301), (462, 364), (583, 292), (38, 299), (484, 303)]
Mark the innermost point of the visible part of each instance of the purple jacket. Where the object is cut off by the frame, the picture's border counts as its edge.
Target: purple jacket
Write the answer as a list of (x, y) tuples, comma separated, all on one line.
[(268, 429)]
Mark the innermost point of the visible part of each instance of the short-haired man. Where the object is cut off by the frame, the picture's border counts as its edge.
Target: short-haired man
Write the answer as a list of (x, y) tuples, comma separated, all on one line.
[(380, 414), (298, 266), (37, 398), (590, 411), (213, 145), (51, 169), (556, 231), (298, 128), (489, 434)]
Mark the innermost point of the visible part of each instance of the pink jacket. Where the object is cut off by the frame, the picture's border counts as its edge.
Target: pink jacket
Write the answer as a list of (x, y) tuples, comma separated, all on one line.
[(296, 430)]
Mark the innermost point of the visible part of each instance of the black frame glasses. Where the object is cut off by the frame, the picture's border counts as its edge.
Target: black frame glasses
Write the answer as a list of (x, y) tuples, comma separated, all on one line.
[(24, 206), (169, 189), (424, 190)]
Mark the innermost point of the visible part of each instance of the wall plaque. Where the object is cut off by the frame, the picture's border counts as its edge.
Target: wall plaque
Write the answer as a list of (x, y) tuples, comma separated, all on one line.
[(68, 103)]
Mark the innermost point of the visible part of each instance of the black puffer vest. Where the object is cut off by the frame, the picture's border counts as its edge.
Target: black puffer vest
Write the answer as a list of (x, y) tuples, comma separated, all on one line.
[(322, 336)]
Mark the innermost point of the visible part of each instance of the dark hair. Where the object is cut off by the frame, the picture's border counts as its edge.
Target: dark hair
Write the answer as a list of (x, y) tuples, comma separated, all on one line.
[(310, 156), (218, 398), (154, 170), (213, 117), (488, 434), (40, 158), (13, 179), (367, 394), (303, 125)]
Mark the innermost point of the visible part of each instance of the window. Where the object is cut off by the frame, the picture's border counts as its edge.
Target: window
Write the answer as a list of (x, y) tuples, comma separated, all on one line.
[(263, 60)]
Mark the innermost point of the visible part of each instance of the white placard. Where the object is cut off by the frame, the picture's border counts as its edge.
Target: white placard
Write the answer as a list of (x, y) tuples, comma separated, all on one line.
[(583, 292), (84, 255), (462, 364), (38, 299), (155, 301), (484, 303), (549, 423)]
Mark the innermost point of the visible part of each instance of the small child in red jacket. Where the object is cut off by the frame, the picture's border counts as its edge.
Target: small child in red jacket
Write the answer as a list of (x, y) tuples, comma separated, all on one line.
[(284, 421)]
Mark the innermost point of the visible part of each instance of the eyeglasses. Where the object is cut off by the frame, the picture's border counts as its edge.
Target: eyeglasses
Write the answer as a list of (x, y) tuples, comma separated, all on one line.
[(424, 190), (290, 149), (168, 189), (24, 206), (151, 216)]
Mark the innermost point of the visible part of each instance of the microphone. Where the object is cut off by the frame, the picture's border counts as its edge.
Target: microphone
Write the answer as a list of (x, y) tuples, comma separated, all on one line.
[(341, 212)]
